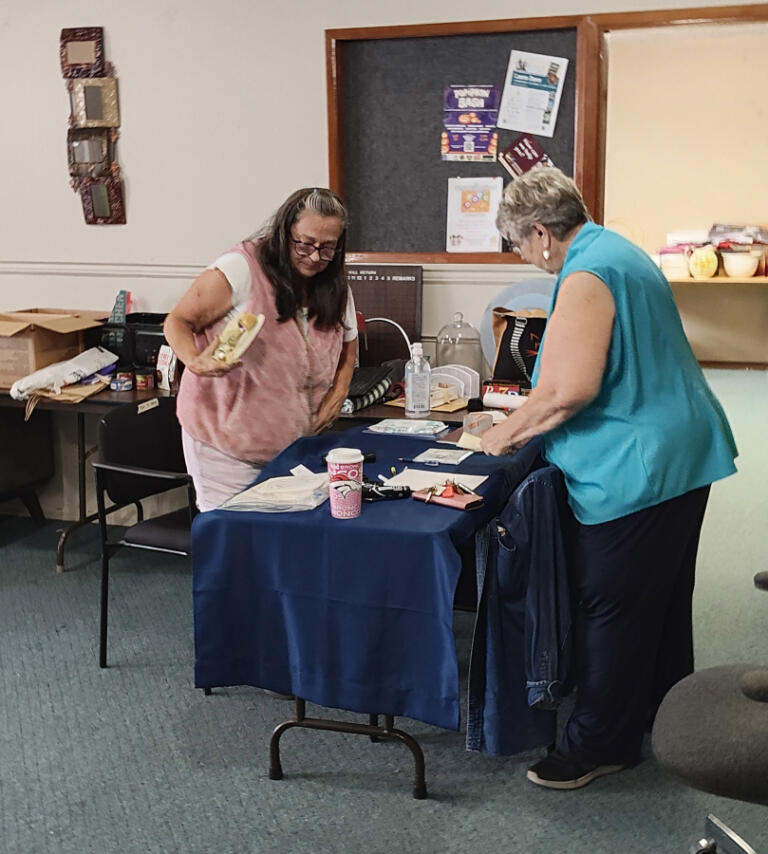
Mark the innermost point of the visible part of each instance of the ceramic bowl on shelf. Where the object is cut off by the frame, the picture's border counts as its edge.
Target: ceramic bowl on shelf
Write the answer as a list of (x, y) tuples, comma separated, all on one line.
[(703, 261), (740, 265)]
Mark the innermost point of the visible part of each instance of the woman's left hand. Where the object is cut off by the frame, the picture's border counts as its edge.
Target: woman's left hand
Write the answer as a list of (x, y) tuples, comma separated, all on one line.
[(328, 411)]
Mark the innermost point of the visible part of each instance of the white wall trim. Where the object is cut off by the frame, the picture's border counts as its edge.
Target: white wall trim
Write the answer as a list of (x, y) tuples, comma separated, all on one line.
[(100, 270), (449, 274)]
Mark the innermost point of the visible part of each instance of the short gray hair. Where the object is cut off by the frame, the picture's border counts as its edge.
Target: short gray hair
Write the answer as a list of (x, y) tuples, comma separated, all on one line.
[(545, 195)]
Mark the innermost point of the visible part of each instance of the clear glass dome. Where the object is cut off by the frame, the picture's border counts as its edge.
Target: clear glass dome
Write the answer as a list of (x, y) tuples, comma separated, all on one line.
[(458, 343)]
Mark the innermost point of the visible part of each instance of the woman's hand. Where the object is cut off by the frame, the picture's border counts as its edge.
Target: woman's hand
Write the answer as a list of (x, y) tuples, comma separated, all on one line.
[(208, 299), (497, 440), (331, 404), (204, 365), (329, 410)]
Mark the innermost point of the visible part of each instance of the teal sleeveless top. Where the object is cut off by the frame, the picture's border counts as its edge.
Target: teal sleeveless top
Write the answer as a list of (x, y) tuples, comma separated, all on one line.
[(655, 429)]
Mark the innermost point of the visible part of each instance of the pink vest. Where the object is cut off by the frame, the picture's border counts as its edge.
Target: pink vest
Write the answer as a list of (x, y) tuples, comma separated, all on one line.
[(256, 410)]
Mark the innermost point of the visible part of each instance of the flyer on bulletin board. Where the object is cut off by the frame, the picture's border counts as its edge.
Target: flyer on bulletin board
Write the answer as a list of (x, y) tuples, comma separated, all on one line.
[(532, 90), (469, 123), (523, 154), (471, 221)]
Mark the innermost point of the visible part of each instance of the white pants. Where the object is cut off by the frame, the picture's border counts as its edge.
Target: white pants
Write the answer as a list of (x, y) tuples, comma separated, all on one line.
[(216, 475)]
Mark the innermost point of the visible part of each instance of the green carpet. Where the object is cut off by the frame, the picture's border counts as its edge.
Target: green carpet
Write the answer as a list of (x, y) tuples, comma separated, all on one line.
[(134, 759)]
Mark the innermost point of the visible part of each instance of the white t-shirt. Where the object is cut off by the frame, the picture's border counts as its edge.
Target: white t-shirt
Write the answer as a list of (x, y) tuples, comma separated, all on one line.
[(234, 266)]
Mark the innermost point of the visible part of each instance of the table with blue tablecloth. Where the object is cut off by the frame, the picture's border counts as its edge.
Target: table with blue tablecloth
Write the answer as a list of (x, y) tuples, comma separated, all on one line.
[(352, 614)]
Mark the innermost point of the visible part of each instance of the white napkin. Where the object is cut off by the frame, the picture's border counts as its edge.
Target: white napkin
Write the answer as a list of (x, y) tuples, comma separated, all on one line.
[(282, 494)]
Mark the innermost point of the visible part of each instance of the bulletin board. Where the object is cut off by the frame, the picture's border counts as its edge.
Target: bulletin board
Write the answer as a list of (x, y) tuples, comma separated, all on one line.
[(386, 89)]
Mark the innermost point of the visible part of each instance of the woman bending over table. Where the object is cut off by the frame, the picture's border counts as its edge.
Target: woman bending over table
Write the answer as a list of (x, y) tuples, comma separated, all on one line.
[(628, 417), (294, 377)]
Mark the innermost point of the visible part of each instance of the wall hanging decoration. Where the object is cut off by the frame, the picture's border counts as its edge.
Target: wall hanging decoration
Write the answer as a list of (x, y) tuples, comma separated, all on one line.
[(93, 125)]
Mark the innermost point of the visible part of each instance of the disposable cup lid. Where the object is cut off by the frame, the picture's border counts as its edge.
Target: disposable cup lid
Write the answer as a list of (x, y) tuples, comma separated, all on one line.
[(344, 455)]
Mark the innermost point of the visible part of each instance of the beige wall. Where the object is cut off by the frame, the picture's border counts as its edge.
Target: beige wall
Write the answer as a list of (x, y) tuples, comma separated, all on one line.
[(223, 109), (687, 129), (685, 148)]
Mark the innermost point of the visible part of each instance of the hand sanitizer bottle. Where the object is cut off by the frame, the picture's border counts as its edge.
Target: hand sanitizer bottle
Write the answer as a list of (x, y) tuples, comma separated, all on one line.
[(417, 373)]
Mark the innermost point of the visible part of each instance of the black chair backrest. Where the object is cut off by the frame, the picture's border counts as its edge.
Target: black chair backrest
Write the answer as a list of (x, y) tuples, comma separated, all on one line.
[(146, 435)]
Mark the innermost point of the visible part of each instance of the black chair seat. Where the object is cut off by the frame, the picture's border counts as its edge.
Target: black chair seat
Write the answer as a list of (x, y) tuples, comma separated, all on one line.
[(169, 532), (715, 738)]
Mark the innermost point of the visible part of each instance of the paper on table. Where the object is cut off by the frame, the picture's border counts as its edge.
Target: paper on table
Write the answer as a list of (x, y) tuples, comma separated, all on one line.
[(282, 494), (421, 479), (443, 456)]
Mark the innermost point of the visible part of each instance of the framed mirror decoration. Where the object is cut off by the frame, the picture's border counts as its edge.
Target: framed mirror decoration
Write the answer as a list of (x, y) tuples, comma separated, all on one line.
[(89, 151), (93, 125), (94, 102), (81, 52), (102, 200)]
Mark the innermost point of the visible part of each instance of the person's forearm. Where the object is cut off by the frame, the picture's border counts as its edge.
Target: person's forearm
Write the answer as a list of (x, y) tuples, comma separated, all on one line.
[(179, 335), (344, 370), (544, 410), (339, 389)]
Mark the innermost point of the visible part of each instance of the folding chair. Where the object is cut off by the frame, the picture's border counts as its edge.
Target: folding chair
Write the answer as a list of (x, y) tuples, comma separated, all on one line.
[(140, 454)]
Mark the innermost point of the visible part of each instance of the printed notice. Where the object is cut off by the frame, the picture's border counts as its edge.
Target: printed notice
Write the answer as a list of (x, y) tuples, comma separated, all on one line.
[(531, 97), (469, 123), (471, 221), (523, 154)]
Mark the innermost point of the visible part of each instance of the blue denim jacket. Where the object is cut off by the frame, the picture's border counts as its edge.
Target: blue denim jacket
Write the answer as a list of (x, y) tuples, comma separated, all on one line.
[(521, 645)]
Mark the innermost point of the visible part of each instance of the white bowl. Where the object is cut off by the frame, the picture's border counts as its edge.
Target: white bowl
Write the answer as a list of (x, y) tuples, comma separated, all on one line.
[(740, 265)]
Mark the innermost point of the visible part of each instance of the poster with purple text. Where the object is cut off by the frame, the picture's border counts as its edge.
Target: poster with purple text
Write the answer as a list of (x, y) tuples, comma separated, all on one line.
[(469, 123)]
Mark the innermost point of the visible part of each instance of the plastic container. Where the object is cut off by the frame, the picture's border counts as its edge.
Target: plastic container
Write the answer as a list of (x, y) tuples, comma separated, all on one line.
[(458, 343), (673, 261), (417, 379)]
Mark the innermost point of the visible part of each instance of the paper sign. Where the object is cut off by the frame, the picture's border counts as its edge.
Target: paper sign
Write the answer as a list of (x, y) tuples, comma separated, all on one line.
[(531, 97), (471, 220), (523, 154), (469, 122)]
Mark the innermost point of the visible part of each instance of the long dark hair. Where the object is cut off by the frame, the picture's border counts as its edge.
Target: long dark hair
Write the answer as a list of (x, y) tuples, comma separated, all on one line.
[(327, 297)]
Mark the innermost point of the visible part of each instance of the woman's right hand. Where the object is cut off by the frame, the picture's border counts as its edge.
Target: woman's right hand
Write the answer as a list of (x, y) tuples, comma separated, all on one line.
[(204, 365)]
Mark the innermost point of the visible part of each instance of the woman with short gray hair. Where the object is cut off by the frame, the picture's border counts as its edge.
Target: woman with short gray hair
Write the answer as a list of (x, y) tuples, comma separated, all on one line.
[(628, 417)]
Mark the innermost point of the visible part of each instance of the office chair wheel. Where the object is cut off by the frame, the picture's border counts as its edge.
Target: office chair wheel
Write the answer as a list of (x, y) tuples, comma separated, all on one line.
[(704, 846)]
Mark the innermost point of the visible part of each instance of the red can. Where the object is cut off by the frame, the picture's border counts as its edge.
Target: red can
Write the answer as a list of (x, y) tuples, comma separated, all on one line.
[(145, 380)]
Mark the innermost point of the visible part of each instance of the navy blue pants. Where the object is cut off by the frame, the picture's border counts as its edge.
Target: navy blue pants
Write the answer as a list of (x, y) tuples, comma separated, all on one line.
[(632, 584)]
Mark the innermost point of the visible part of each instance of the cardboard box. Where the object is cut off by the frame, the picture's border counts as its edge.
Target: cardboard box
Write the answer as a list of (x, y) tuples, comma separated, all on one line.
[(36, 337)]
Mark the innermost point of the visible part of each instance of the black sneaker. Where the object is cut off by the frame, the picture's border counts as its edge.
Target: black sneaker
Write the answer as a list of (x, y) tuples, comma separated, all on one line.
[(559, 772)]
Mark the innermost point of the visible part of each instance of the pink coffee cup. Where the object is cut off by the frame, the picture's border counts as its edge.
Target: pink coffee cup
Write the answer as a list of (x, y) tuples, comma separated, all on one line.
[(345, 482)]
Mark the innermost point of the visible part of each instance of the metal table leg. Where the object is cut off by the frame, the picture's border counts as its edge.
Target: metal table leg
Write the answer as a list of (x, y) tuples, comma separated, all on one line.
[(371, 729), (83, 518)]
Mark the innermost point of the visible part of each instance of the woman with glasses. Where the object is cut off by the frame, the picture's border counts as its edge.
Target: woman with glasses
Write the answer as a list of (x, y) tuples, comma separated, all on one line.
[(627, 415), (294, 377)]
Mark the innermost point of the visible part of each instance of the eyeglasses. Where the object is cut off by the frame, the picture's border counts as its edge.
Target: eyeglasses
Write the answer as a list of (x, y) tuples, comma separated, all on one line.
[(325, 253)]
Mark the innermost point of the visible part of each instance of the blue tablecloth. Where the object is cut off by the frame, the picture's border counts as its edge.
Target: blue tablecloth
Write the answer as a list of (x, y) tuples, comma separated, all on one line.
[(353, 614)]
